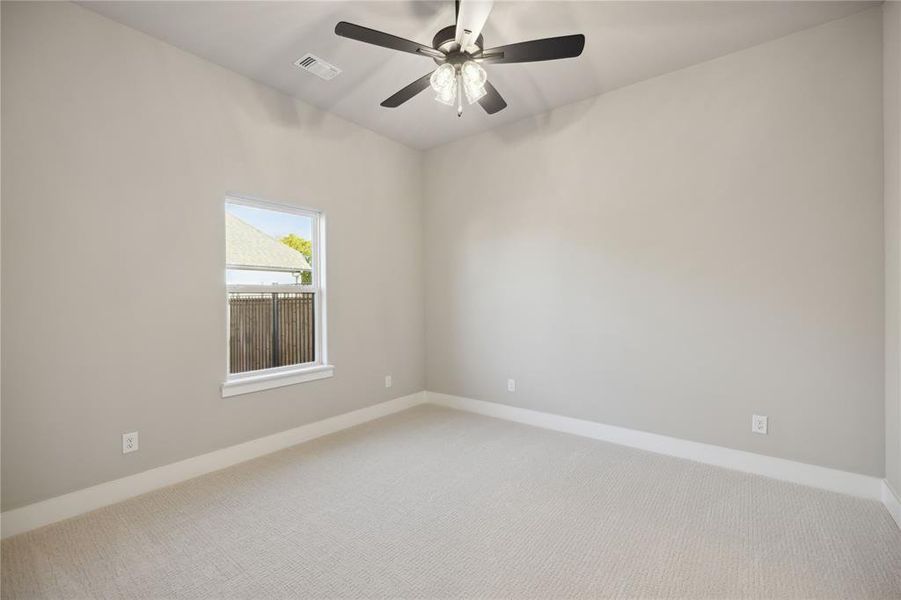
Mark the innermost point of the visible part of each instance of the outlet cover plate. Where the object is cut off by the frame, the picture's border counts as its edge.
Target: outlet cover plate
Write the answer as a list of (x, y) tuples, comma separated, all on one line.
[(129, 442), (758, 424)]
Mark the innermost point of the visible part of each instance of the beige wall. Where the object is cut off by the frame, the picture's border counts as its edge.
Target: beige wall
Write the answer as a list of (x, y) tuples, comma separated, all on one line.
[(117, 152), (892, 115), (679, 254)]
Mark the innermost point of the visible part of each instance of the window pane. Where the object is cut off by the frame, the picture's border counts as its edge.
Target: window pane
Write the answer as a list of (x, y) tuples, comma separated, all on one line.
[(270, 330), (268, 242)]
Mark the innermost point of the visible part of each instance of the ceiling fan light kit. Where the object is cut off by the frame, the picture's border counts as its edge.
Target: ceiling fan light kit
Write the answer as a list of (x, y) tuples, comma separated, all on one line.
[(448, 81), (458, 50)]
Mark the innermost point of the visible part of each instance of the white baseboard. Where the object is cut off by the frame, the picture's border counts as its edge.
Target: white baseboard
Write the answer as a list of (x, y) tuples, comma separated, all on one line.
[(42, 513), (825, 478), (892, 502), (36, 515)]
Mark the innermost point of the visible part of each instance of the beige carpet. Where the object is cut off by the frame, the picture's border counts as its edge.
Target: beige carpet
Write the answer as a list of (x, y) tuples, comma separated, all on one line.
[(437, 503)]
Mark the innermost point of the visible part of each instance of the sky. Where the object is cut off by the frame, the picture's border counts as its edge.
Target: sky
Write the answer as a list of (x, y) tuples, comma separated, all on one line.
[(277, 224)]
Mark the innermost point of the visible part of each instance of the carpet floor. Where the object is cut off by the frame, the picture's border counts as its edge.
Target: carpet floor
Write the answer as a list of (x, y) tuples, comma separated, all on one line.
[(436, 503)]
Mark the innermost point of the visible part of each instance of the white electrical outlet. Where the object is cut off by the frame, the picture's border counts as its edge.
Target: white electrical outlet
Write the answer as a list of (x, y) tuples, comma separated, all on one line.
[(511, 385), (388, 381), (758, 424), (129, 442)]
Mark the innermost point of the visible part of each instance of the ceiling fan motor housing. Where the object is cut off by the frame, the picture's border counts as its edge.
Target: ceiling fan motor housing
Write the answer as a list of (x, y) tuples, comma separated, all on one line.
[(445, 41)]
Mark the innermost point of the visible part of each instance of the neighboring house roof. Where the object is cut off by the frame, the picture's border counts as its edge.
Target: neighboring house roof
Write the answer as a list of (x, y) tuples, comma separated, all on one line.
[(248, 247)]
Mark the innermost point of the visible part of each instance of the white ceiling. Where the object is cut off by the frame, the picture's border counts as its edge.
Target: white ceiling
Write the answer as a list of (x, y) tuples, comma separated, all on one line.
[(625, 42)]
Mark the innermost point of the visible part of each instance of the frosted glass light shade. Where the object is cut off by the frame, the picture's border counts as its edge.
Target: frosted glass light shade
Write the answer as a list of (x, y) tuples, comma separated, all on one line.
[(444, 82), (474, 79)]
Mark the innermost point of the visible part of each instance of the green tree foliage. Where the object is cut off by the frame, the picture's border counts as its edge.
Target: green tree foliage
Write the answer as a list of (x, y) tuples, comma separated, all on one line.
[(303, 246)]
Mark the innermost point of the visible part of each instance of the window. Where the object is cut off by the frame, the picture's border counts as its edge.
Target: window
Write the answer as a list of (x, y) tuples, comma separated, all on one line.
[(275, 278)]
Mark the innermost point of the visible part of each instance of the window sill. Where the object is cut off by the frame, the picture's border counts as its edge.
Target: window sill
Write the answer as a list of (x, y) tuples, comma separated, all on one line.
[(256, 383)]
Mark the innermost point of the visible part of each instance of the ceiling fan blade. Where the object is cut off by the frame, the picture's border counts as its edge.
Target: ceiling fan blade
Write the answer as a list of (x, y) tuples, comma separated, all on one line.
[(407, 92), (471, 17), (492, 101), (385, 40), (567, 46)]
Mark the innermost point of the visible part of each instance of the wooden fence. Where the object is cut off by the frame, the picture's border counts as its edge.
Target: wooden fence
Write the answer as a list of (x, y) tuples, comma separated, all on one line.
[(270, 330)]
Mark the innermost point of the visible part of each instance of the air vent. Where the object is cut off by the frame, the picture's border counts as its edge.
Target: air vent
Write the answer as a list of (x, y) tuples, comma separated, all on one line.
[(317, 66)]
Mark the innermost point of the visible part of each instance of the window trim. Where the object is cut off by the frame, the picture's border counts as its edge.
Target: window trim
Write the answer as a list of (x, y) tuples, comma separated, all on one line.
[(262, 379), (267, 379)]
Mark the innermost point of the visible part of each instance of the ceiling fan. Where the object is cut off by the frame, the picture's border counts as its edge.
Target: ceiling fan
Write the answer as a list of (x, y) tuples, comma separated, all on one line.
[(459, 52)]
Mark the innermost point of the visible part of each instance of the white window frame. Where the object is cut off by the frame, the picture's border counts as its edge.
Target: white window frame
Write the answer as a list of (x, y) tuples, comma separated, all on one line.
[(263, 379)]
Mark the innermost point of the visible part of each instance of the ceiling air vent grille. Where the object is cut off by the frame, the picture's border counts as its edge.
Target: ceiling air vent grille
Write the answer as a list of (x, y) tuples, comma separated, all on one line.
[(317, 66)]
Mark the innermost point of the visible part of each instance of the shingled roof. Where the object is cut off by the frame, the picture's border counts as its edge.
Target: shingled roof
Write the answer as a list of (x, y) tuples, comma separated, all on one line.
[(249, 248)]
